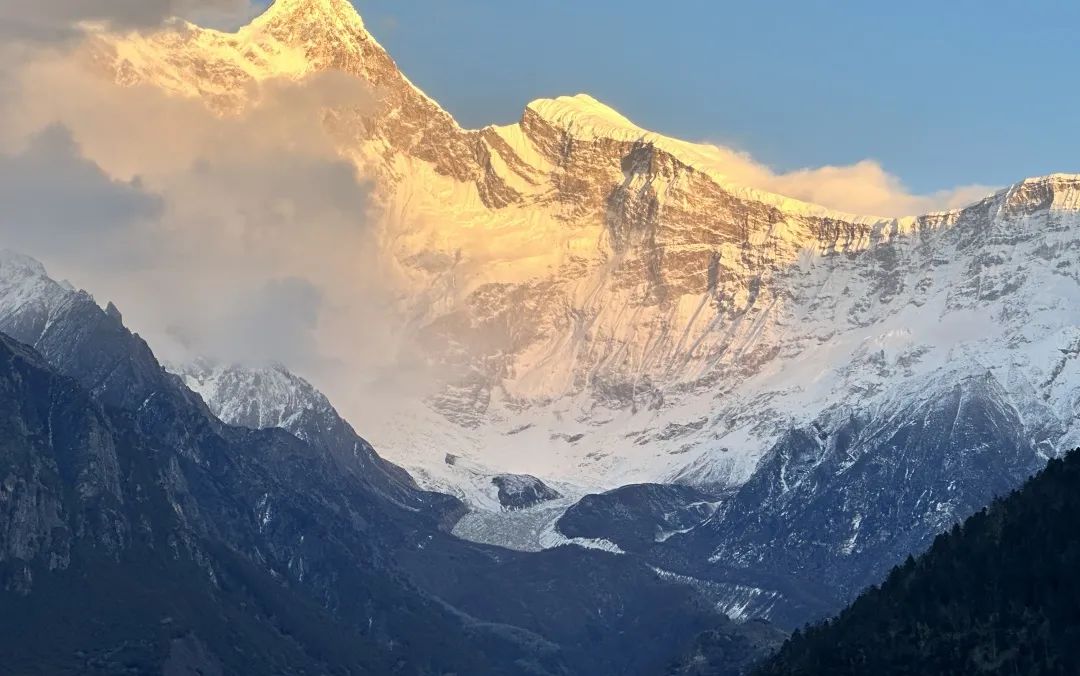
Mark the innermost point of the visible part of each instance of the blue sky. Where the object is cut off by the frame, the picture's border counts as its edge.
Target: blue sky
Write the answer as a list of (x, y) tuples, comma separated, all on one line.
[(941, 93)]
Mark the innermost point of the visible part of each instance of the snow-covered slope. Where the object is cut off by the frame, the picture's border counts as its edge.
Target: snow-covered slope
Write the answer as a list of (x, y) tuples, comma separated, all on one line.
[(601, 305), (258, 398), (30, 297)]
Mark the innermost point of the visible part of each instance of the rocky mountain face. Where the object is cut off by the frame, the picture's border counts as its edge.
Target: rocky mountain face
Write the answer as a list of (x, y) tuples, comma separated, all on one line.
[(608, 308), (294, 39), (77, 336), (832, 507), (231, 549), (518, 492), (179, 575)]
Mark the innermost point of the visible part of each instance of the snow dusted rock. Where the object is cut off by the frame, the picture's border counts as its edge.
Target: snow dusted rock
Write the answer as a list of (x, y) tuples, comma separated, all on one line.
[(636, 517), (31, 298), (73, 332), (257, 398), (517, 491)]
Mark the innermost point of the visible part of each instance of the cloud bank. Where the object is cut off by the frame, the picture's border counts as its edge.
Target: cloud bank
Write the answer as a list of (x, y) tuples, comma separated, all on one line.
[(228, 236), (866, 188), (49, 187)]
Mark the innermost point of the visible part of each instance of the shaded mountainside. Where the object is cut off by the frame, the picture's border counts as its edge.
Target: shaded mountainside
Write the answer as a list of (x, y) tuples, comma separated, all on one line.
[(715, 652), (91, 345), (998, 595), (835, 505), (272, 396), (832, 507), (119, 554), (137, 528)]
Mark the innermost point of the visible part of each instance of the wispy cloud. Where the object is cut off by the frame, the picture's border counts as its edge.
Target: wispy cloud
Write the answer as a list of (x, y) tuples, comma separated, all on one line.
[(864, 187)]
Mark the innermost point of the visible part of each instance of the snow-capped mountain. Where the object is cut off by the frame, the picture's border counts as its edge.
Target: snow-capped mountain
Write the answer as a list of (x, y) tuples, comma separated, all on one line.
[(44, 313), (601, 305), (607, 307), (264, 397)]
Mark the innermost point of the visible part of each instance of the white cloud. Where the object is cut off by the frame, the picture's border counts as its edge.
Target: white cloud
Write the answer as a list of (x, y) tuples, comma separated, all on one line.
[(864, 188), (274, 322)]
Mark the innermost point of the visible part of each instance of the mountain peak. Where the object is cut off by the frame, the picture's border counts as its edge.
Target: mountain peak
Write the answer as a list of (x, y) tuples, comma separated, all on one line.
[(13, 263), (584, 114), (328, 33), (299, 13)]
